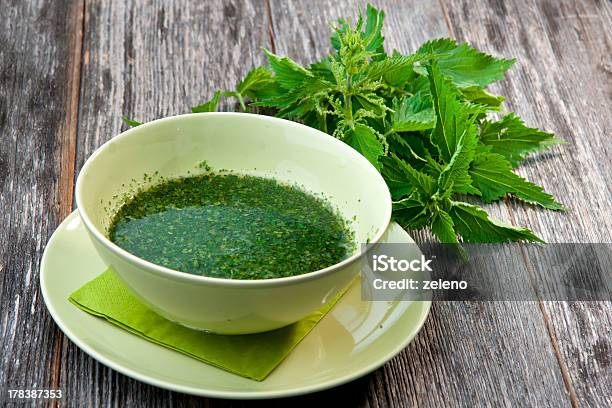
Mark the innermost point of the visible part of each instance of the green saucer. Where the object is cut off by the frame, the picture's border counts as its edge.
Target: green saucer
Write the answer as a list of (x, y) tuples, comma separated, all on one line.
[(355, 338)]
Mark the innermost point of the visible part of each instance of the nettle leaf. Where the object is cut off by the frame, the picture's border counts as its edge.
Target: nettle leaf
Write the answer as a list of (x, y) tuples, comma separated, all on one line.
[(209, 106), (410, 213), (420, 102), (363, 139), (394, 70), (398, 185), (413, 113), (480, 96), (492, 175), (371, 34), (442, 227), (373, 29), (419, 84), (341, 27), (455, 175), (402, 72), (373, 104), (131, 122), (465, 65), (475, 110), (282, 101), (288, 73), (474, 225), (301, 100), (409, 147), (395, 177), (259, 83), (405, 173), (453, 119), (323, 69), (513, 140)]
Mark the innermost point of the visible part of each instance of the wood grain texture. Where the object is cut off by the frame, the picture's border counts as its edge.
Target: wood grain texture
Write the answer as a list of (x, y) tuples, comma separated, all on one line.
[(561, 82), (449, 363), (70, 70), (39, 57), (147, 60)]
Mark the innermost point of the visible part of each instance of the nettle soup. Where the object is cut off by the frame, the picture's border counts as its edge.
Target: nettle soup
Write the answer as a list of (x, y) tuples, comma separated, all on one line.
[(232, 226)]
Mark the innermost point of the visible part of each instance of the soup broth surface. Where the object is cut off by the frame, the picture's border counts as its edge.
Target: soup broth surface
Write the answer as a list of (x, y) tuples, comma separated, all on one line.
[(232, 226)]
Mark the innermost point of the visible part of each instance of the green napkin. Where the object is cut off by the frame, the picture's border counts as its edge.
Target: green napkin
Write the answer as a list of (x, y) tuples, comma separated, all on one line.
[(252, 355)]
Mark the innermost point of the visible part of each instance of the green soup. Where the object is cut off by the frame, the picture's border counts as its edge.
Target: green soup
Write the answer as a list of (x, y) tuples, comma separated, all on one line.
[(231, 226)]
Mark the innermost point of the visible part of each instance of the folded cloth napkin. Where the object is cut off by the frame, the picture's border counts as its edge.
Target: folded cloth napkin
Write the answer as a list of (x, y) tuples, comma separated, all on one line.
[(253, 356)]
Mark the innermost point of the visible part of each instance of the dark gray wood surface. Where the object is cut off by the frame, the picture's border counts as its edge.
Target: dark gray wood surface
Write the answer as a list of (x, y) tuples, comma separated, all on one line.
[(68, 72), (562, 82), (39, 82)]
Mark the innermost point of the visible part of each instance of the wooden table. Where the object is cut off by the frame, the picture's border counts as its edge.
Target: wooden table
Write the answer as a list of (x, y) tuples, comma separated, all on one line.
[(70, 69)]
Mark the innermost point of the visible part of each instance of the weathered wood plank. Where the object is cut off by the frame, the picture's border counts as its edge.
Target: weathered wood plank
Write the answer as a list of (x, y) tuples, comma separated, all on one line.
[(146, 60), (303, 28), (39, 77), (146, 71), (562, 83), (149, 60), (450, 362)]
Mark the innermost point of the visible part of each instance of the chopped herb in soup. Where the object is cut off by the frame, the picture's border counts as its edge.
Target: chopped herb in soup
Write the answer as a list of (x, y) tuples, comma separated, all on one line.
[(231, 226)]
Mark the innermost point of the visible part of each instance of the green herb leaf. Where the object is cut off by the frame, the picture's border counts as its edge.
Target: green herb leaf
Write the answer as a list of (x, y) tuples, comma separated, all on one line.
[(407, 175), (131, 122), (288, 73), (394, 70), (363, 139), (474, 225), (480, 96), (373, 30), (454, 134), (209, 106), (453, 119), (322, 69), (442, 227), (455, 175), (492, 175), (464, 64), (413, 113), (410, 148), (371, 37), (513, 140), (398, 182), (410, 213), (259, 83)]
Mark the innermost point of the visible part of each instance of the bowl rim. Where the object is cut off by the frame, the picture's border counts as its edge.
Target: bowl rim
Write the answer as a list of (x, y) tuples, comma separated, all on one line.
[(214, 281)]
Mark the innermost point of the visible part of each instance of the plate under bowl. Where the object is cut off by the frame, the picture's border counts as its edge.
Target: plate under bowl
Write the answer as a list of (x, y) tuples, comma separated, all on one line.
[(355, 338)]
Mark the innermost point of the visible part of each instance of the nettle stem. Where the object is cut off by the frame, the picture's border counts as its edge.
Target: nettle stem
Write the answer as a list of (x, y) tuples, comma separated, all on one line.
[(348, 103), (242, 104), (324, 122)]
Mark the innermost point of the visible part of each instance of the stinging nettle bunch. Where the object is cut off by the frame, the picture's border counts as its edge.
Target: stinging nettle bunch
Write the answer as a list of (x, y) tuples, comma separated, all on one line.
[(421, 119)]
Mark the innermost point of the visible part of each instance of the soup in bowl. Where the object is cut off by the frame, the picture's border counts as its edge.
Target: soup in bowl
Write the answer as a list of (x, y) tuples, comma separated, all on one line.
[(231, 223)]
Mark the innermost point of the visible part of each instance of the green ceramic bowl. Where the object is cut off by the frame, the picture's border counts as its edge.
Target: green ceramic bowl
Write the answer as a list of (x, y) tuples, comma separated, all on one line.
[(247, 144)]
